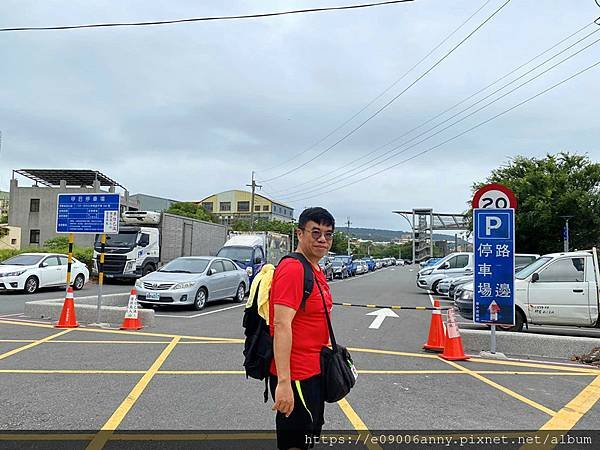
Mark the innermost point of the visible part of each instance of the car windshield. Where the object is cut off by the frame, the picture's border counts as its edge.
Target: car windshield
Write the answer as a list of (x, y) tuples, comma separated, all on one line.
[(337, 263), (323, 261), (126, 239), (528, 270), (22, 260), (240, 254), (185, 265)]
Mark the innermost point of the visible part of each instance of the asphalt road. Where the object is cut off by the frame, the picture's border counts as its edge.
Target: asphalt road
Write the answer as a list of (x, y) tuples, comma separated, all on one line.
[(185, 374)]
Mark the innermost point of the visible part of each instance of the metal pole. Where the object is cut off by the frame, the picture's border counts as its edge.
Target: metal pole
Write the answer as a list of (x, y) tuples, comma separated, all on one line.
[(413, 236), (252, 203), (70, 259), (348, 236), (100, 264), (293, 235), (493, 346), (567, 235)]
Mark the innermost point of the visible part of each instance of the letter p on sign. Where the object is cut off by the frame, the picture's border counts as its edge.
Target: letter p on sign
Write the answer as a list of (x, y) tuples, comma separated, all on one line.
[(492, 223)]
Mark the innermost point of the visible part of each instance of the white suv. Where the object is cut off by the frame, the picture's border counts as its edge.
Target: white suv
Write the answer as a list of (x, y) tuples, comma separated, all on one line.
[(30, 271)]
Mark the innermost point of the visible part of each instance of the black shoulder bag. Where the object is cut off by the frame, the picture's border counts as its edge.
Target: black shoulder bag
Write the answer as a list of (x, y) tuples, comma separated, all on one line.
[(337, 368)]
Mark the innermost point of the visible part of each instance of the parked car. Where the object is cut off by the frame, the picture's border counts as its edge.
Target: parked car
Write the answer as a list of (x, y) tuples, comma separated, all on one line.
[(453, 265), (30, 271), (370, 263), (349, 262), (327, 267), (340, 269), (557, 289), (361, 267), (429, 262), (194, 281)]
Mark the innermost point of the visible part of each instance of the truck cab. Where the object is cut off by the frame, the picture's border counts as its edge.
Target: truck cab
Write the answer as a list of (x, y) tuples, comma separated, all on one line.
[(560, 289), (246, 251), (134, 251)]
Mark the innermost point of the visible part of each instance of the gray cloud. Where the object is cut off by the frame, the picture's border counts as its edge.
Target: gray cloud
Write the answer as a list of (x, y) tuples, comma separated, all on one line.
[(186, 111)]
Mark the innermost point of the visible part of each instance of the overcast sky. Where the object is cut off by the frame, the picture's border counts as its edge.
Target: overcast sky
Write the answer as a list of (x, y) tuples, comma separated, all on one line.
[(185, 111)]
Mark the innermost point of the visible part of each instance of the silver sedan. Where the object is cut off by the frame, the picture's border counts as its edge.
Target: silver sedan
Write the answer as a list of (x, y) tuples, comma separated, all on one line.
[(193, 280)]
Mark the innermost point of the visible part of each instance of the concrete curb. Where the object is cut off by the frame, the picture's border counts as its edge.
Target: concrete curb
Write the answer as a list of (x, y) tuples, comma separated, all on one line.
[(528, 345), (112, 311)]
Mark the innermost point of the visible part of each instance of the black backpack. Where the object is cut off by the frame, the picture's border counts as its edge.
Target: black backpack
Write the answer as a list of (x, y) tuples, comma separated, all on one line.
[(258, 345)]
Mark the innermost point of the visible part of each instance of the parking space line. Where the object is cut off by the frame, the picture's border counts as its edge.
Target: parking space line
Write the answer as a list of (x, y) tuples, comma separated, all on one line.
[(26, 323), (72, 372), (201, 314), (569, 415), (390, 352), (502, 388), (561, 367), (12, 341), (201, 372), (117, 417), (355, 420), (34, 344)]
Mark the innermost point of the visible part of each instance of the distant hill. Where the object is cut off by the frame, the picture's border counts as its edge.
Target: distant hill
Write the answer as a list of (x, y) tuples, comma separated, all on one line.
[(376, 235)]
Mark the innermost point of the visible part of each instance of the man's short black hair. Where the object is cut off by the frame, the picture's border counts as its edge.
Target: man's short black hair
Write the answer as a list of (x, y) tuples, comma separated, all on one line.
[(318, 215)]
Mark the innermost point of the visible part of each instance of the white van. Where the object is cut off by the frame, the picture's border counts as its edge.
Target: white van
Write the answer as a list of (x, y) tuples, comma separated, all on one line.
[(454, 265)]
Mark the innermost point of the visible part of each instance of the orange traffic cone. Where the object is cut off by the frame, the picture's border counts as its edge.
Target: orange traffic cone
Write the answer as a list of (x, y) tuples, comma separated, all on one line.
[(132, 321), (67, 315), (435, 341), (453, 348)]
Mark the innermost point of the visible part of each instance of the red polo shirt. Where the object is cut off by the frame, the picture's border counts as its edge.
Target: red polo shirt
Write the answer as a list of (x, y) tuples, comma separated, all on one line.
[(309, 326)]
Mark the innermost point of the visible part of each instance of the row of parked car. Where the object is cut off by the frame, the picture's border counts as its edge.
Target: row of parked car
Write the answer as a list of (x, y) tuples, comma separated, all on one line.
[(553, 289), (344, 266)]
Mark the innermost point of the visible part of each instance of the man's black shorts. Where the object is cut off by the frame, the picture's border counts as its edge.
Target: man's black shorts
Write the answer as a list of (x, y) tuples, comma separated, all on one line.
[(306, 420)]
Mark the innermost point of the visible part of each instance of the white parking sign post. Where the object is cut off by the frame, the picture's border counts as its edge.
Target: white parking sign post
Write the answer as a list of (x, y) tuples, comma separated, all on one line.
[(494, 251)]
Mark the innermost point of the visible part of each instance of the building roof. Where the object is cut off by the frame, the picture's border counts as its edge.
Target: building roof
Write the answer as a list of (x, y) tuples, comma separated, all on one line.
[(256, 195), (73, 177)]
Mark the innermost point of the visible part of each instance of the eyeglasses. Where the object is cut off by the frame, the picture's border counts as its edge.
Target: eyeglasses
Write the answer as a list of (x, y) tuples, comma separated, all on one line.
[(316, 234)]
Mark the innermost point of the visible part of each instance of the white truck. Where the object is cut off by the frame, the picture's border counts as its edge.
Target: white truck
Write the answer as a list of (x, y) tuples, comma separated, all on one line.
[(251, 250), (557, 289), (148, 239)]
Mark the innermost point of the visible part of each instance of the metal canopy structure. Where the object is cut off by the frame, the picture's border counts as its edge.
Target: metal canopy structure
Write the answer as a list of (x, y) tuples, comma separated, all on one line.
[(424, 222), (73, 177)]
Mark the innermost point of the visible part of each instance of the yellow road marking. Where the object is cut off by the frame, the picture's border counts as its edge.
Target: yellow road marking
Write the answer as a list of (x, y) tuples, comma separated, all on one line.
[(389, 352), (502, 388), (117, 417), (232, 436), (561, 367), (355, 420), (26, 324), (569, 415), (460, 372), (73, 372), (34, 343), (46, 437), (16, 340)]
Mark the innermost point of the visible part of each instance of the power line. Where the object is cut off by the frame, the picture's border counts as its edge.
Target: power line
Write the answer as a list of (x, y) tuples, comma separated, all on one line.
[(396, 153), (380, 95), (295, 190), (395, 98), (206, 19), (460, 134)]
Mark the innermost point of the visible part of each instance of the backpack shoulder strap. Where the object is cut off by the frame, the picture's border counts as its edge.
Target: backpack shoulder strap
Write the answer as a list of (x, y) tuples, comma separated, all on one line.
[(309, 277)]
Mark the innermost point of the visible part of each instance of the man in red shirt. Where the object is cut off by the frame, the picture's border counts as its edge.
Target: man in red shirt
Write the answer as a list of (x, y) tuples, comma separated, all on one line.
[(299, 334)]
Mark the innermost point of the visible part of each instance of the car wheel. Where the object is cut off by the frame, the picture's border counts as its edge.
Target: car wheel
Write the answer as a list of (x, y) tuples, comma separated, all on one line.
[(434, 288), (148, 268), (79, 282), (200, 300), (519, 321), (31, 285), (241, 293)]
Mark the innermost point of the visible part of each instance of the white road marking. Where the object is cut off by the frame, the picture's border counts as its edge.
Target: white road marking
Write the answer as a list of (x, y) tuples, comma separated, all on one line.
[(380, 314), (201, 314), (10, 315)]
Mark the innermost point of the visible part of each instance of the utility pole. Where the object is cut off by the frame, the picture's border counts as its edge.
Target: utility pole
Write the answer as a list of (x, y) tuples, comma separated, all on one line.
[(566, 233), (348, 223), (253, 186)]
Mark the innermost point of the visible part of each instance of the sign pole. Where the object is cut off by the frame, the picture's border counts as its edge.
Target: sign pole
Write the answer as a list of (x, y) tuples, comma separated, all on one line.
[(100, 265), (70, 259), (493, 346)]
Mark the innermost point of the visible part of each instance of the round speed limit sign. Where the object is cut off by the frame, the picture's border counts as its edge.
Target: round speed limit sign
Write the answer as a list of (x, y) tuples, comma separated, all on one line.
[(496, 196)]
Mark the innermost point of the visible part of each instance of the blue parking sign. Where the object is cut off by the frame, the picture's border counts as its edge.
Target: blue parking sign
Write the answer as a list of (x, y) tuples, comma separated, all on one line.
[(494, 249), (88, 213)]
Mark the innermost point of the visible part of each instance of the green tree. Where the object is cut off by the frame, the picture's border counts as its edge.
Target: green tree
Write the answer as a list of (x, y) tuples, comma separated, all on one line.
[(340, 243), (191, 210), (546, 189)]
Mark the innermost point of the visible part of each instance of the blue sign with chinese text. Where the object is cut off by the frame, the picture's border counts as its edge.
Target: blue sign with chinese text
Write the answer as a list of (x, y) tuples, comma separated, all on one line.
[(88, 213), (494, 248)]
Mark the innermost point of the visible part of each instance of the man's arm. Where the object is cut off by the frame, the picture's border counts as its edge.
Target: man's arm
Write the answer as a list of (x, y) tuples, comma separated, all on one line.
[(282, 349)]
